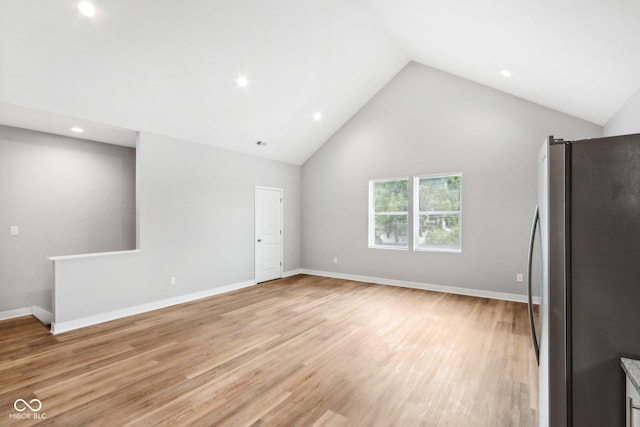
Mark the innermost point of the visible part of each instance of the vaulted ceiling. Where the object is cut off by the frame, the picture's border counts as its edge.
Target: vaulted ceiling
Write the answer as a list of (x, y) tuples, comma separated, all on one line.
[(170, 67)]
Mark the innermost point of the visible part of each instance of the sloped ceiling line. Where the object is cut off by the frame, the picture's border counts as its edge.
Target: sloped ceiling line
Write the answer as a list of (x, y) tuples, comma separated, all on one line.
[(171, 67)]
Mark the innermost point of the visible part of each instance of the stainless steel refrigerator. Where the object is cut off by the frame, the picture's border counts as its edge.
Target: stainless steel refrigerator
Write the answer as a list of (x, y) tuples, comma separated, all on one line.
[(587, 229)]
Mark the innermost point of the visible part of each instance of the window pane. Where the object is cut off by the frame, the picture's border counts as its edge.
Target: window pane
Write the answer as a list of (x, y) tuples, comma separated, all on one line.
[(440, 193), (391, 230), (391, 196), (439, 232)]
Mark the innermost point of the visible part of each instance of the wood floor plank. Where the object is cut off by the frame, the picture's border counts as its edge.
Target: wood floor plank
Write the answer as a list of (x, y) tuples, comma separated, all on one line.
[(301, 351)]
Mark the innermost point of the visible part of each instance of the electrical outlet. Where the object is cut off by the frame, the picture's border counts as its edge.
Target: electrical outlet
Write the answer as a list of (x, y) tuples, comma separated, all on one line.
[(173, 281), (335, 260), (519, 278)]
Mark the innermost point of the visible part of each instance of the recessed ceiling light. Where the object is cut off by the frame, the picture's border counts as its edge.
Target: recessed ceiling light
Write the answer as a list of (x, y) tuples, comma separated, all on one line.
[(77, 129), (242, 81), (505, 73), (317, 116), (86, 8)]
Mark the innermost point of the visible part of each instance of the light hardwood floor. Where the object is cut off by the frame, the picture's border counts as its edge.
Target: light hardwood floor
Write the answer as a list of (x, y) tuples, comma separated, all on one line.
[(302, 351)]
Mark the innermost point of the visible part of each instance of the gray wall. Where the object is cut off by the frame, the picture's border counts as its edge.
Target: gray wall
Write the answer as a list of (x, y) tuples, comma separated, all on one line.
[(67, 196), (627, 119), (423, 122), (196, 208)]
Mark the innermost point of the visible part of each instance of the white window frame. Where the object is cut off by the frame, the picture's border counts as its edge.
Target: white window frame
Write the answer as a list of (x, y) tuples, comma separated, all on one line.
[(372, 214), (416, 212)]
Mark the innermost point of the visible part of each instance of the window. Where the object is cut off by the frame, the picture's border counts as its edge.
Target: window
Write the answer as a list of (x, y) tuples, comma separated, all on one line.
[(437, 213), (389, 213)]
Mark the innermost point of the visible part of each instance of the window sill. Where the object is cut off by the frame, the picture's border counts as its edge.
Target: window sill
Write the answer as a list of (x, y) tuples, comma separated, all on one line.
[(390, 248), (446, 251)]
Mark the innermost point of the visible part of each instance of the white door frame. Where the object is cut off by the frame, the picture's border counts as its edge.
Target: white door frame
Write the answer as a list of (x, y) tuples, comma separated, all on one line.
[(255, 229)]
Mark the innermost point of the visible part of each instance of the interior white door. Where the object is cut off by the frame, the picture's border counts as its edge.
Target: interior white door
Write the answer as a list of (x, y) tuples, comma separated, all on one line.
[(268, 233)]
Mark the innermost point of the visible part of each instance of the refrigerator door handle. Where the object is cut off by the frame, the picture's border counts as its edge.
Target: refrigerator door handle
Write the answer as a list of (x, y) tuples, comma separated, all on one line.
[(534, 337)]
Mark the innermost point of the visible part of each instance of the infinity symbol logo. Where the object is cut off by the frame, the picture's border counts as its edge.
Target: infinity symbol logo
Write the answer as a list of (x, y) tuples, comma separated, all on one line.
[(21, 405)]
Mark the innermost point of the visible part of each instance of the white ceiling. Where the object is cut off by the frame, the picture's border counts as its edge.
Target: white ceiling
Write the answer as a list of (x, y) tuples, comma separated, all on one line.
[(59, 124), (579, 57), (169, 67)]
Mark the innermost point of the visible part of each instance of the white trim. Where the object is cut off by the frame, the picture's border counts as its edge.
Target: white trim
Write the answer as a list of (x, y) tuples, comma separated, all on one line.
[(41, 314), (439, 250), (18, 312), (392, 248), (372, 214), (391, 213), (438, 212), (95, 254), (439, 175), (137, 189), (395, 178), (291, 273), (58, 328), (255, 237), (424, 286), (417, 212)]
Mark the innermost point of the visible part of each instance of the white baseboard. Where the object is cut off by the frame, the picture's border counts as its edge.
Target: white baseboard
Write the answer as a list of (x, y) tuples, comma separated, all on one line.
[(423, 286), (58, 328), (291, 273), (41, 314), (18, 312)]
